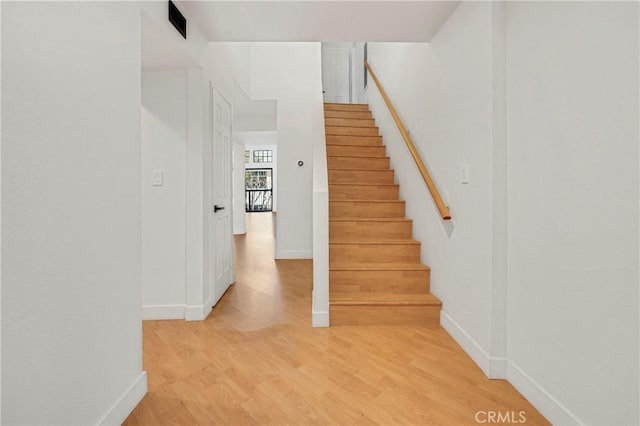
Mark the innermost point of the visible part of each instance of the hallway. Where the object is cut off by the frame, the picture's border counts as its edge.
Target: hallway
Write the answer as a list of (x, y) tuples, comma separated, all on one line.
[(256, 360)]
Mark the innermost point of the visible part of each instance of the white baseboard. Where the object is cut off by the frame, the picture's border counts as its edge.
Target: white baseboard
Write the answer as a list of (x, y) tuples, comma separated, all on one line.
[(320, 319), (498, 368), (121, 409), (197, 312), (194, 313), (163, 312), (493, 368), (294, 254), (501, 368), (551, 408), (208, 307)]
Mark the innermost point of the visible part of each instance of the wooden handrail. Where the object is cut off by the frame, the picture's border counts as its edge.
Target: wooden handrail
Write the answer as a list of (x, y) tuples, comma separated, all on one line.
[(442, 208)]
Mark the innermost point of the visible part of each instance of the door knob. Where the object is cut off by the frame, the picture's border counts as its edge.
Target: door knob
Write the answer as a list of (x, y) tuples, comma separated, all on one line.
[(217, 208)]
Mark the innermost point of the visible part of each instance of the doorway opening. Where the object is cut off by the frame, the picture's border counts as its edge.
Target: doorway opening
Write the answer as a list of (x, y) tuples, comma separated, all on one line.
[(343, 76), (256, 189)]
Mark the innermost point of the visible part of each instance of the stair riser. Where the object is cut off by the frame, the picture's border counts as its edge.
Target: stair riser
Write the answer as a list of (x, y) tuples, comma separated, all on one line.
[(345, 107), (382, 282), (369, 230), (340, 209), (350, 122), (354, 140), (356, 176), (360, 192), (355, 131), (369, 151), (374, 253), (358, 163), (348, 114), (385, 315)]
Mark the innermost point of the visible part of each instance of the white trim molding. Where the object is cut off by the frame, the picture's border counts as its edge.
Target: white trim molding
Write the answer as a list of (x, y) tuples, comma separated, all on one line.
[(493, 368), (502, 368), (120, 410), (294, 254), (197, 312), (550, 407), (163, 312), (320, 319)]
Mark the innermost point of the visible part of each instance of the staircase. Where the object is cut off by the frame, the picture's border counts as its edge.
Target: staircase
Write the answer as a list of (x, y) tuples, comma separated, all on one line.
[(375, 274)]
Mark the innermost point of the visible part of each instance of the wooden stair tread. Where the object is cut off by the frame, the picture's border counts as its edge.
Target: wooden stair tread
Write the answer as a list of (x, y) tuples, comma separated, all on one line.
[(376, 299), (337, 124), (378, 137), (357, 156), (364, 184), (365, 154), (354, 156), (389, 242), (352, 118), (355, 144), (347, 118), (378, 267), (365, 201), (344, 103), (369, 219), (334, 126), (386, 169), (363, 170)]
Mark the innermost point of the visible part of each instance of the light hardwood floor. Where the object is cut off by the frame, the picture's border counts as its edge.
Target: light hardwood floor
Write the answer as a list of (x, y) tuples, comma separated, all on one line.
[(257, 360)]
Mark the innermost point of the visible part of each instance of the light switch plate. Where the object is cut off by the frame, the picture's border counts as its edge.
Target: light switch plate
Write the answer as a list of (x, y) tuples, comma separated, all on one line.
[(158, 178), (464, 174)]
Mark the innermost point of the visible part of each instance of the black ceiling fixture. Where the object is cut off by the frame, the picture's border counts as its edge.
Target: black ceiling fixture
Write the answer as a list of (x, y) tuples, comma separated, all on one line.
[(177, 19)]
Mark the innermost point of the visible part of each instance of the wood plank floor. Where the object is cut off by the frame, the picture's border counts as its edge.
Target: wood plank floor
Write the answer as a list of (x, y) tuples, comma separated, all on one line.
[(256, 360)]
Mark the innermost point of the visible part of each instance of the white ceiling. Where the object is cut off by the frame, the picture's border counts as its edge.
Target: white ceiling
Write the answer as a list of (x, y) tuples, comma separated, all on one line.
[(319, 20)]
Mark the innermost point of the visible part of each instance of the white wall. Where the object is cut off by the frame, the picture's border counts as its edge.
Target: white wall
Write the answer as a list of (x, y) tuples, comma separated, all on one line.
[(174, 126), (71, 325), (573, 207), (239, 219), (164, 147), (250, 115), (290, 73), (443, 93), (239, 62), (72, 198), (538, 270), (223, 63)]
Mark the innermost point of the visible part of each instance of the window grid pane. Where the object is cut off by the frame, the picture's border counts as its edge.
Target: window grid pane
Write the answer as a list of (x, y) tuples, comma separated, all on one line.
[(262, 156)]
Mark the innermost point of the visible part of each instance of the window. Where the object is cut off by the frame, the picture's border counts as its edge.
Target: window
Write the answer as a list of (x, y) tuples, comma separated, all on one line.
[(247, 156), (258, 190), (262, 156), (258, 178)]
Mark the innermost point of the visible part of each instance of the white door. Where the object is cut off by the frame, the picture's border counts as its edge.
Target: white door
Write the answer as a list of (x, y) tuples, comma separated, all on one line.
[(221, 226), (336, 74)]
